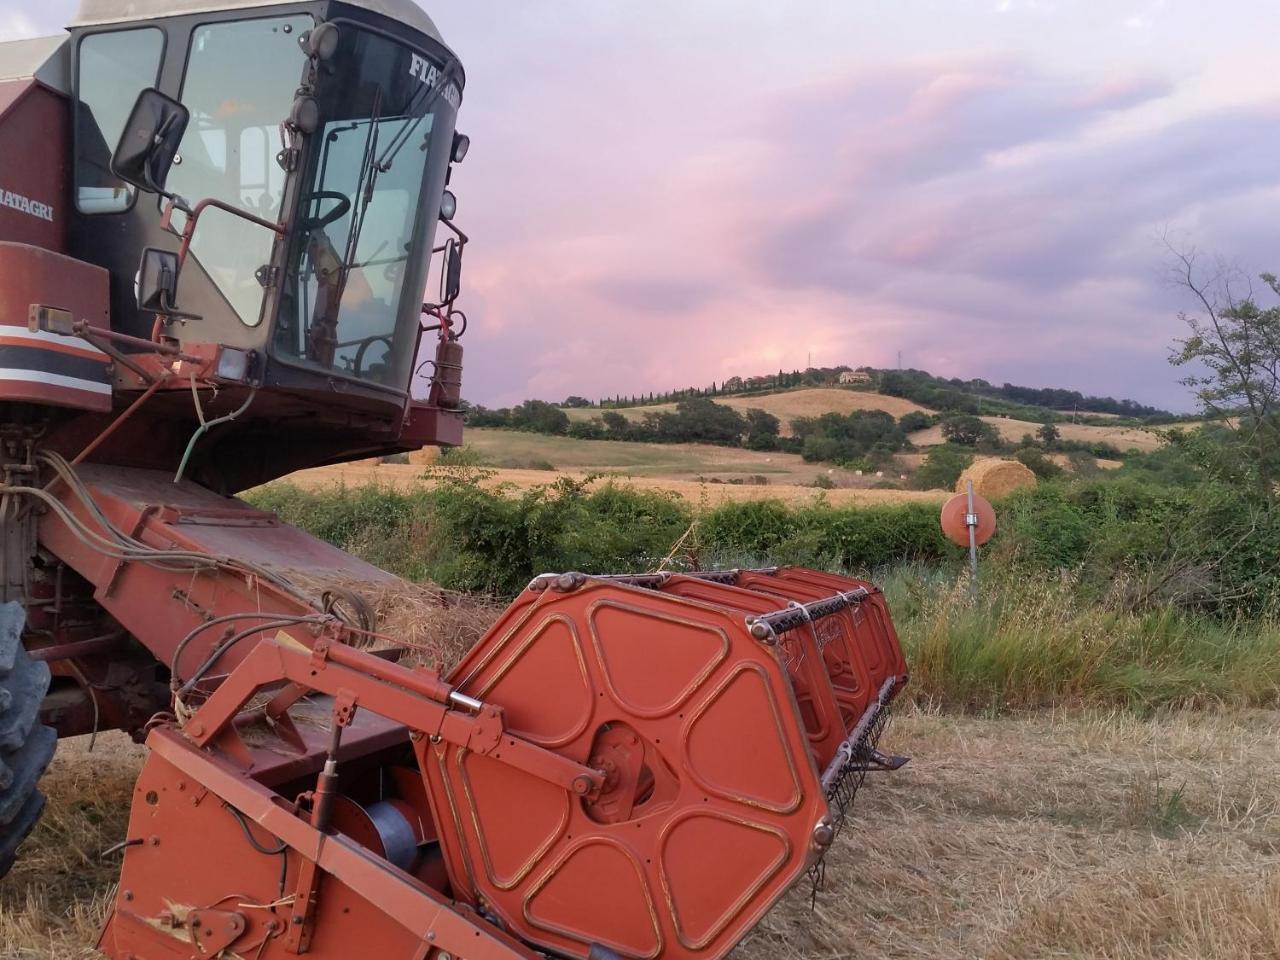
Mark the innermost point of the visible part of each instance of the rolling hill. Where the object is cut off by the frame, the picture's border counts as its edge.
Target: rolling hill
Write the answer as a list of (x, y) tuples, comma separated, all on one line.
[(813, 402), (787, 405)]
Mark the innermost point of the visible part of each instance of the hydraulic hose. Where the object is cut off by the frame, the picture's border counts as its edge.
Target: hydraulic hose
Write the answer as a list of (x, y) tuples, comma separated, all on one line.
[(205, 428)]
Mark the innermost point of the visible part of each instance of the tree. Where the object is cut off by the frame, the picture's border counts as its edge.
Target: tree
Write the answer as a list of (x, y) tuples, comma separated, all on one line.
[(586, 429), (844, 439), (914, 420), (576, 402), (616, 423), (1038, 463), (699, 420), (1048, 434), (941, 469), (538, 416), (967, 430), (762, 429), (479, 416), (1233, 348)]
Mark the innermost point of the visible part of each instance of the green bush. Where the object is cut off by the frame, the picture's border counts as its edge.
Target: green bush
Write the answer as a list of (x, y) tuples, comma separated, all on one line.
[(942, 468), (1037, 463), (1124, 542)]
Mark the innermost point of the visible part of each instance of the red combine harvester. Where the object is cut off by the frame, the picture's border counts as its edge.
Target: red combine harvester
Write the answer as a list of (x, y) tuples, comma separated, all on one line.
[(217, 218)]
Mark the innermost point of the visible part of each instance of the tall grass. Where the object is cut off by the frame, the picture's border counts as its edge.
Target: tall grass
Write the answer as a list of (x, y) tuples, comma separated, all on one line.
[(1034, 642)]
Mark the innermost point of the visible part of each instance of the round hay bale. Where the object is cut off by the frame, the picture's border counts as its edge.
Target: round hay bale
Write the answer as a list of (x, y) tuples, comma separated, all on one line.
[(993, 478), (424, 457)]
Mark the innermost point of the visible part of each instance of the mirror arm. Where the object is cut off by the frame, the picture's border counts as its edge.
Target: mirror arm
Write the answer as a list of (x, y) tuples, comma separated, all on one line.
[(100, 336), (462, 237), (193, 215)]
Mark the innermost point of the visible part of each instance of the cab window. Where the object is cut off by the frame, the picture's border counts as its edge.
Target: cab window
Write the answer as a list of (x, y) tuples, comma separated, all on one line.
[(240, 82), (113, 68)]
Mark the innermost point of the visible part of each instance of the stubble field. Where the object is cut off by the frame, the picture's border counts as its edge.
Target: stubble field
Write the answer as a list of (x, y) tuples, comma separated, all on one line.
[(1072, 834)]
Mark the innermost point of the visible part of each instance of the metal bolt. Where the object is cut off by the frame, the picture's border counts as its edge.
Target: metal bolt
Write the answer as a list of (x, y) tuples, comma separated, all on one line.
[(823, 834), (128, 895), (196, 729), (431, 934), (581, 785), (568, 582)]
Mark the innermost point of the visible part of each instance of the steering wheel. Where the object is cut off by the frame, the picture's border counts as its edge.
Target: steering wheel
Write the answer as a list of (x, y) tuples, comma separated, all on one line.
[(365, 345), (308, 224)]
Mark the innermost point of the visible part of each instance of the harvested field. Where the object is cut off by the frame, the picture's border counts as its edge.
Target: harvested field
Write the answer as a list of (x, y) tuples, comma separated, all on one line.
[(401, 477), (1122, 438), (786, 406), (516, 450), (1064, 835)]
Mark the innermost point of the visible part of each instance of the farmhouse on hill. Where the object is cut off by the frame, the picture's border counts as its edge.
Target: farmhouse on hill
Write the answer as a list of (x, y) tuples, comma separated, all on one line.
[(855, 376)]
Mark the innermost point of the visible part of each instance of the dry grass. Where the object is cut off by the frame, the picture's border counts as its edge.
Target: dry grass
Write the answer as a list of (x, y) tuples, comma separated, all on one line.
[(1051, 835), (786, 406), (517, 450), (1056, 836), (53, 902), (1122, 438), (438, 626), (404, 476)]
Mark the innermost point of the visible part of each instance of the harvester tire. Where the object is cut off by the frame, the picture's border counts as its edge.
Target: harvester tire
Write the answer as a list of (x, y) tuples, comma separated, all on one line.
[(26, 745)]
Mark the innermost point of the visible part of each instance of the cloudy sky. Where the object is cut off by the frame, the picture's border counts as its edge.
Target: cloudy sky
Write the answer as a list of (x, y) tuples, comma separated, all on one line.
[(667, 192)]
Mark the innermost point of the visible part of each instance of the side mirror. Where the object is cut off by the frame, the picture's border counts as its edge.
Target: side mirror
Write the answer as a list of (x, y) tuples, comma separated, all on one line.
[(156, 285), (452, 272), (150, 141)]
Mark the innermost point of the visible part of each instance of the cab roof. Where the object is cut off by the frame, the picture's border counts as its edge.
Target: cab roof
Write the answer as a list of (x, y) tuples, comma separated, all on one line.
[(41, 58), (95, 12)]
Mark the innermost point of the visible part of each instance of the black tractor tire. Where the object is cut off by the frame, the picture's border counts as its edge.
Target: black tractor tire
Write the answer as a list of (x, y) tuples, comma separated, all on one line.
[(26, 745)]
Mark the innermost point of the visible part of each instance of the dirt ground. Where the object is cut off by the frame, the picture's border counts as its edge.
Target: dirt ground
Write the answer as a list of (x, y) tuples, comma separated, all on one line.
[(1054, 835)]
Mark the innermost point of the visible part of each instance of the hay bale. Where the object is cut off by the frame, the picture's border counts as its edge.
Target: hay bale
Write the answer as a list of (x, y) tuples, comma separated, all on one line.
[(424, 457), (993, 478)]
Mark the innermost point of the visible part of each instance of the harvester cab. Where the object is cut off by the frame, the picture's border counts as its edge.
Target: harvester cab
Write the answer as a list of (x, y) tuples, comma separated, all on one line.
[(217, 218), (262, 185)]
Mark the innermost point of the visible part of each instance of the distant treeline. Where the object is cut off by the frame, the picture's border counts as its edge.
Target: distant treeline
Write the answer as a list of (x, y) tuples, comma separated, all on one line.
[(734, 386), (966, 396), (948, 395), (694, 420)]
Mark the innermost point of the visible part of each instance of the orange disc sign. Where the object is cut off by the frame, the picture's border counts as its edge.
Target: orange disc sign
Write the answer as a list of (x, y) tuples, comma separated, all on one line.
[(955, 519)]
